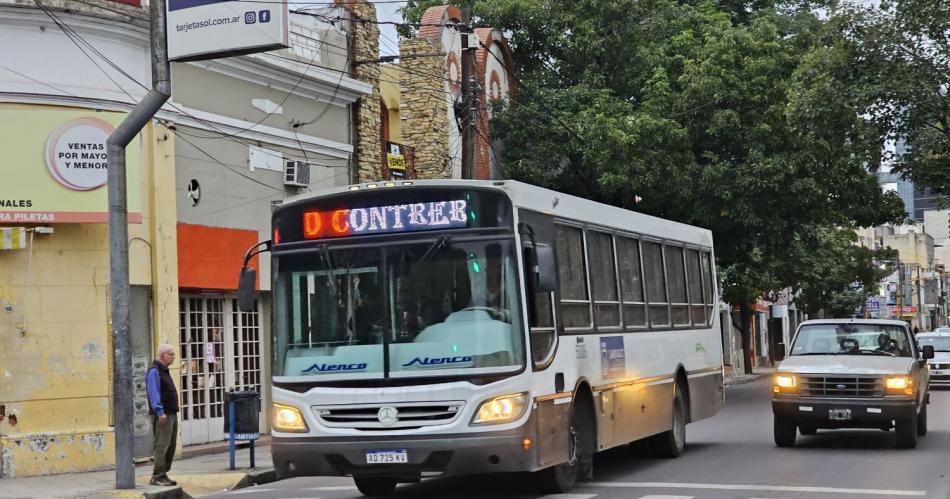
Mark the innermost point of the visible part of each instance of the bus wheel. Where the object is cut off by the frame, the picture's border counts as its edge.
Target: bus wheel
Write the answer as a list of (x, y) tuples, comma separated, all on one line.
[(374, 485), (670, 444), (561, 478)]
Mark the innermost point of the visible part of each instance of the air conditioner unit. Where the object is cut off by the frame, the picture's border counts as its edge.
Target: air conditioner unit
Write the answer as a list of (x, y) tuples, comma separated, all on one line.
[(297, 173)]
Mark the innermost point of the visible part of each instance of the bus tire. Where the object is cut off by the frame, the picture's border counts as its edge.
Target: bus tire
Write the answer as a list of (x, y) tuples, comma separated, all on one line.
[(374, 485), (670, 443), (560, 478)]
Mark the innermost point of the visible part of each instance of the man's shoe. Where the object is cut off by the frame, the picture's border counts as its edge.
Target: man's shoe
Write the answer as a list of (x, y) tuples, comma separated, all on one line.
[(165, 476), (161, 480)]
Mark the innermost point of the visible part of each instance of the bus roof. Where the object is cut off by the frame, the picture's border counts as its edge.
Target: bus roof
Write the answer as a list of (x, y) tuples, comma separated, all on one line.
[(557, 204)]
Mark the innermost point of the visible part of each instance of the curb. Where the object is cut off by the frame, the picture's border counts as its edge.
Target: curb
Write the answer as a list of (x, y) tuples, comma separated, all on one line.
[(249, 479)]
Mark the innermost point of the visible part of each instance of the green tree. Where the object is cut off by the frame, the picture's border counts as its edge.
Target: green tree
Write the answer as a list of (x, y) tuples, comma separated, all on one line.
[(687, 111), (839, 275), (900, 73)]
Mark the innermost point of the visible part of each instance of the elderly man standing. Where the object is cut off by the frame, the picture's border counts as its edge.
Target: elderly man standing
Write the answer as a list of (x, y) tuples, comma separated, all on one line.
[(163, 412)]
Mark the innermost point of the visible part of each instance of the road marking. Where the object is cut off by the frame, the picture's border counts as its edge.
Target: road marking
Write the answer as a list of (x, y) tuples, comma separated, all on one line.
[(568, 496), (251, 490), (771, 488), (654, 496)]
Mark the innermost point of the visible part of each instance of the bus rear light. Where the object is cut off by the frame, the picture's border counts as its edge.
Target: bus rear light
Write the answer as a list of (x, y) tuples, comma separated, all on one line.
[(276, 236)]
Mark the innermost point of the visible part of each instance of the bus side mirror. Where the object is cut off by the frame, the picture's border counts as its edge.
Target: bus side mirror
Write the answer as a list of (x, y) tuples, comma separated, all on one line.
[(928, 352), (545, 269), (247, 282)]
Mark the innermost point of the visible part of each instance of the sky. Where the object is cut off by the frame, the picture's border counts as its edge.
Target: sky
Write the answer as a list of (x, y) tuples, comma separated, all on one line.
[(388, 44)]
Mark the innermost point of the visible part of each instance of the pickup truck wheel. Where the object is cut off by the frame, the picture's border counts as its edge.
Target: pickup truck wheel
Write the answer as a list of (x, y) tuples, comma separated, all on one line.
[(907, 432), (807, 428), (922, 421), (785, 431)]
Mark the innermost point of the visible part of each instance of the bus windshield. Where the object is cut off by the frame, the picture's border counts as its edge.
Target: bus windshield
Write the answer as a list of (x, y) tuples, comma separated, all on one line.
[(437, 307)]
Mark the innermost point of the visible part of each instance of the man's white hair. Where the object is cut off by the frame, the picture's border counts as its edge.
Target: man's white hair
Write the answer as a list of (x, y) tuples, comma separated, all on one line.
[(165, 348)]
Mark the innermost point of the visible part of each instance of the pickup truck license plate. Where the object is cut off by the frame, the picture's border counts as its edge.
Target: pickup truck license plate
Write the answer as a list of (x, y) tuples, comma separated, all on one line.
[(387, 456), (839, 414)]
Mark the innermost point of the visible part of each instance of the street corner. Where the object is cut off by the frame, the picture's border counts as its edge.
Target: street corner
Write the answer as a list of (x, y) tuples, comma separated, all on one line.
[(198, 484)]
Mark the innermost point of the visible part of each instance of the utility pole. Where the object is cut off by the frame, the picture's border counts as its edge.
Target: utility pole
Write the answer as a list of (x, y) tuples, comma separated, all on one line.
[(119, 249), (468, 96)]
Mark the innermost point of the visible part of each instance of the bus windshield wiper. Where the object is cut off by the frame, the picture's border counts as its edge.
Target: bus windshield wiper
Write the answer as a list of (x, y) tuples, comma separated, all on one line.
[(328, 263), (443, 241)]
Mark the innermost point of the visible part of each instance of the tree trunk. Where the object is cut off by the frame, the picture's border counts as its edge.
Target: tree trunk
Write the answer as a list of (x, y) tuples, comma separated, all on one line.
[(744, 315)]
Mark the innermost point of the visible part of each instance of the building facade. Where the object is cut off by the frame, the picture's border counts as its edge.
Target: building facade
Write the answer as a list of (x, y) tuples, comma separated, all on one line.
[(237, 135), (55, 332)]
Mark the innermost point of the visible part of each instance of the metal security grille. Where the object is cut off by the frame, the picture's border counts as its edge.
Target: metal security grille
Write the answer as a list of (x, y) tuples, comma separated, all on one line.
[(406, 416), (841, 386), (220, 350), (246, 348)]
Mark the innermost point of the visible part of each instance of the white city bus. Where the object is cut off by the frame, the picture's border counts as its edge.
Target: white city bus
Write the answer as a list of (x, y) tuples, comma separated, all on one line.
[(458, 327)]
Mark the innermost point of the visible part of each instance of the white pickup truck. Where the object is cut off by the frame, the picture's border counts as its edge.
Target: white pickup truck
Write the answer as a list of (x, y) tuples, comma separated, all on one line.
[(852, 373)]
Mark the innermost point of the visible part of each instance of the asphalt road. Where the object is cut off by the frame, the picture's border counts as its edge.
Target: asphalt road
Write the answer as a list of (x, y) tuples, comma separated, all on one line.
[(731, 455)]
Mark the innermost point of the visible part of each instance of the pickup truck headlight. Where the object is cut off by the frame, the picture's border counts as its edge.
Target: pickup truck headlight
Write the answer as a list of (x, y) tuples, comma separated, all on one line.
[(502, 409), (784, 383), (899, 385), (288, 418)]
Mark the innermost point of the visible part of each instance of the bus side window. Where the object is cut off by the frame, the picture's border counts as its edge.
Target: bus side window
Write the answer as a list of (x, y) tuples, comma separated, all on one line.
[(655, 278), (540, 314), (709, 285), (676, 280), (572, 277), (694, 273)]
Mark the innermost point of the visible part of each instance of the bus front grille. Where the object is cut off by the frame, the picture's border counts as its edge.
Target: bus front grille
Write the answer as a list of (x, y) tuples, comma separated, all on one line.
[(395, 416), (841, 386)]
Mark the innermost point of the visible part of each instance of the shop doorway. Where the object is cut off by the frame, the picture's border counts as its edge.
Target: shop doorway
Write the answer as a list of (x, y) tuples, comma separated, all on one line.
[(220, 351)]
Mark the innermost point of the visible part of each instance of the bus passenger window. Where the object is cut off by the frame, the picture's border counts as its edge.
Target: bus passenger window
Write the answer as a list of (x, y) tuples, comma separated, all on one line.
[(603, 278), (631, 282), (676, 278), (694, 274), (656, 285), (572, 277)]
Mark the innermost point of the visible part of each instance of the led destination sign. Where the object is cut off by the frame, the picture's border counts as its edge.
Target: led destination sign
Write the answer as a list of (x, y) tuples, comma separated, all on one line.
[(386, 219)]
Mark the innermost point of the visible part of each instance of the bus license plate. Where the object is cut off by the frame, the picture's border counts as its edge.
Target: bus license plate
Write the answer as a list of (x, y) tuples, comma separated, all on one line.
[(387, 456), (839, 414)]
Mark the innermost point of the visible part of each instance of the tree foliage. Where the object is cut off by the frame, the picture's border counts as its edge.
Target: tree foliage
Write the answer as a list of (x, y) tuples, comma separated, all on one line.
[(899, 73), (836, 260), (723, 116)]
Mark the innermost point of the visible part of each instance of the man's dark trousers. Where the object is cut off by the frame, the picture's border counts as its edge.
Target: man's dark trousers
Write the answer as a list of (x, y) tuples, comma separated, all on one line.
[(165, 437)]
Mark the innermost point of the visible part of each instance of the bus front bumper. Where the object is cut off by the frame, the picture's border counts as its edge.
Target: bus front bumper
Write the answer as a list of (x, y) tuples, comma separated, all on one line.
[(468, 453)]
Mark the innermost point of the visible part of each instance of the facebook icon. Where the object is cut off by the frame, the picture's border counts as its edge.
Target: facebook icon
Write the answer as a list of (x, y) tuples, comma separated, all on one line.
[(263, 16)]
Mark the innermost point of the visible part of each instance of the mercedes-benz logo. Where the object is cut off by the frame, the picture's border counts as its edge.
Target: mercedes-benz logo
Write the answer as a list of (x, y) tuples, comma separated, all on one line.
[(388, 415)]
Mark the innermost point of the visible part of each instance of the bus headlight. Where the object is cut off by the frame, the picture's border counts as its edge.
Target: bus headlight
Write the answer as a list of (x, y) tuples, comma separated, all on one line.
[(900, 385), (502, 409), (289, 419)]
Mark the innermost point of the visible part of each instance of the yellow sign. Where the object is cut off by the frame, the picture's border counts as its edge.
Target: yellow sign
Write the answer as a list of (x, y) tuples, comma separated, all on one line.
[(396, 162), (54, 166)]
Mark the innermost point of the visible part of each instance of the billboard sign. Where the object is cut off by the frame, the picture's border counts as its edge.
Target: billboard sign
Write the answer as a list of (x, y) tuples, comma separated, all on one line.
[(210, 29), (55, 166)]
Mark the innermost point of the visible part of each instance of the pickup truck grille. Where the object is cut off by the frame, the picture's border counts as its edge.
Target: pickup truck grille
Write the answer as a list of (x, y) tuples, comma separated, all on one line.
[(840, 386)]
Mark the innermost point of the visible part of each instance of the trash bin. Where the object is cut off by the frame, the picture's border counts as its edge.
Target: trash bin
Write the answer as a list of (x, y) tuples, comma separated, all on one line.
[(247, 410)]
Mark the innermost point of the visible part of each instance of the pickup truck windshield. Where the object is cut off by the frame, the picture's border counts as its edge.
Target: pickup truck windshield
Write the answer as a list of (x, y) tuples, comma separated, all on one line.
[(852, 339)]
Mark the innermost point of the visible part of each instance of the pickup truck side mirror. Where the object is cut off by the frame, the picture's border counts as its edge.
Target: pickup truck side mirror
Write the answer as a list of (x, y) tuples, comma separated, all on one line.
[(928, 352)]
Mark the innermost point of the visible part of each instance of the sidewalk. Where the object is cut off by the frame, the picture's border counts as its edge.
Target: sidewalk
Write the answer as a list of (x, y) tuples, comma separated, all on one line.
[(734, 377), (199, 475)]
